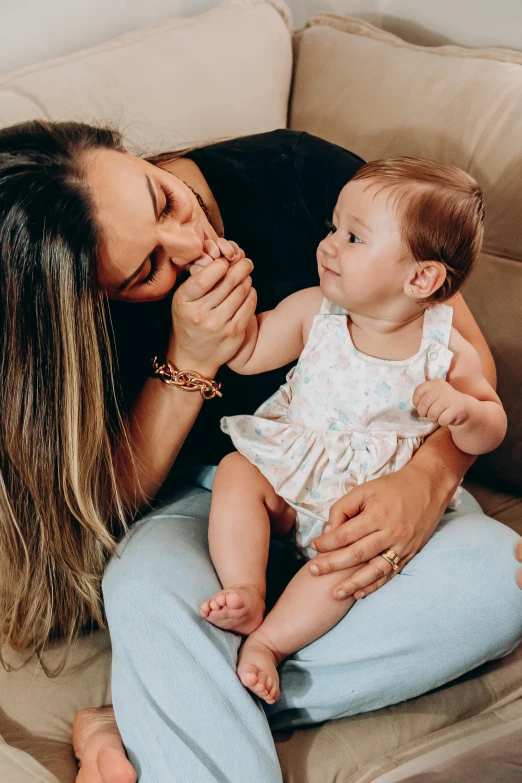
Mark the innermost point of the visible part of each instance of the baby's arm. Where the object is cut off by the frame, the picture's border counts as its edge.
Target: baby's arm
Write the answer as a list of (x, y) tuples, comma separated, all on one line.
[(465, 402), (278, 336)]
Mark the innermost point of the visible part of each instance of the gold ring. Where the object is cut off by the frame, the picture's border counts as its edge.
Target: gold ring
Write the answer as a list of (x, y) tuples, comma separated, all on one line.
[(390, 556)]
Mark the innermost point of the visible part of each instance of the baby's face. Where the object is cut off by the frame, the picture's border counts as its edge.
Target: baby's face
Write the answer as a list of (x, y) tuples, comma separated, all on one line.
[(363, 262)]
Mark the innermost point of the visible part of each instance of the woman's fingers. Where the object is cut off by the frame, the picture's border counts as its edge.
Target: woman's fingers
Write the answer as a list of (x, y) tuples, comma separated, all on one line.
[(340, 531), (359, 594), (245, 311), (198, 285), (366, 580), (338, 534), (235, 275), (356, 554), (200, 263), (229, 307)]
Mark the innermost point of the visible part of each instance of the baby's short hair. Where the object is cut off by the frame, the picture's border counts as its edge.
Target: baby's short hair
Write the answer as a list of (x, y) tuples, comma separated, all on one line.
[(440, 210)]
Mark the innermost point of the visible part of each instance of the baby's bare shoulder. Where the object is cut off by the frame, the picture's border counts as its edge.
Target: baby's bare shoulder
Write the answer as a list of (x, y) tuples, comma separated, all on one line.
[(466, 359), (309, 304)]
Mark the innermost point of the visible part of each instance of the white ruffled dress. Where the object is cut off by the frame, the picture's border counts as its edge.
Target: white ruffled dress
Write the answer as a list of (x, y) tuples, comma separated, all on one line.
[(342, 417)]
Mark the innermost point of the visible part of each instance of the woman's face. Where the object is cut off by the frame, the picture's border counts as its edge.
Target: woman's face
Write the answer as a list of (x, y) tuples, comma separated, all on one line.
[(152, 226)]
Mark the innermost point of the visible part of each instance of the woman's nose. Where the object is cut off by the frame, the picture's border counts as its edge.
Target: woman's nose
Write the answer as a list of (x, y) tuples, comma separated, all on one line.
[(184, 245)]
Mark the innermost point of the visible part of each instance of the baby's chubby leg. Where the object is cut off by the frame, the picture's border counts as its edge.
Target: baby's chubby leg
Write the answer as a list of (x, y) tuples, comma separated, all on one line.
[(304, 612), (244, 509)]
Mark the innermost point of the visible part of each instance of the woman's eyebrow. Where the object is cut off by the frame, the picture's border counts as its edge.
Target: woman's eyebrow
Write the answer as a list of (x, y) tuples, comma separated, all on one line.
[(152, 192), (126, 283)]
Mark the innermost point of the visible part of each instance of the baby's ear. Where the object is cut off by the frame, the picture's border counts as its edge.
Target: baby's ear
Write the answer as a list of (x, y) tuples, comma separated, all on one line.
[(426, 278)]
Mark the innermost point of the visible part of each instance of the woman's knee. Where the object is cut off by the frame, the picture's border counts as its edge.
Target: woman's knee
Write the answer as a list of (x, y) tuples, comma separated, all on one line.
[(471, 559), (162, 558)]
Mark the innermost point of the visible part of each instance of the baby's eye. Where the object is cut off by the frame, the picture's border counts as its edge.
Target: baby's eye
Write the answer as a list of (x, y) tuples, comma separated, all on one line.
[(352, 238), (330, 226)]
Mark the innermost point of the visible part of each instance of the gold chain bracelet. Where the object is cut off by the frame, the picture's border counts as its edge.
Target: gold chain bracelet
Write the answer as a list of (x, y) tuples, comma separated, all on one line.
[(188, 380)]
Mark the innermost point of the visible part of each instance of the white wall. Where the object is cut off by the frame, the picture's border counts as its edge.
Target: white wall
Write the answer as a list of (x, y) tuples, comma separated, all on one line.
[(35, 30)]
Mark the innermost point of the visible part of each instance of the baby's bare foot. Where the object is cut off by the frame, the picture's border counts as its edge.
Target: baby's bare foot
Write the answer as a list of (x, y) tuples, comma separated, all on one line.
[(99, 749), (257, 668), (240, 609)]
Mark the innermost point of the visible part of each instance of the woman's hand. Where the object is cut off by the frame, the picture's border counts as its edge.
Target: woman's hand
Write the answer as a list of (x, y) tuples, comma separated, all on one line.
[(399, 512), (210, 311)]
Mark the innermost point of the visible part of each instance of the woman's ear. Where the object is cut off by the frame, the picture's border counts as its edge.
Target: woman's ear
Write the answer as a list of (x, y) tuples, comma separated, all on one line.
[(426, 278)]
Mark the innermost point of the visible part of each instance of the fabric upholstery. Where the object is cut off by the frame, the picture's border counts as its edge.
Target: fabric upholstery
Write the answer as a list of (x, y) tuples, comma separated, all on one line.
[(491, 754), (36, 712), (19, 767), (171, 85), (377, 95)]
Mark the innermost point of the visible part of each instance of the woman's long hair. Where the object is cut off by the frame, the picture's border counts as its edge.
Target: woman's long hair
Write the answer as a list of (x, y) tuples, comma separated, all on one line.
[(60, 504)]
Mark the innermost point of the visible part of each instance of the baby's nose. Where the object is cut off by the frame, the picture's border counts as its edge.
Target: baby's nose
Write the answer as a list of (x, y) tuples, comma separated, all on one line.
[(328, 246)]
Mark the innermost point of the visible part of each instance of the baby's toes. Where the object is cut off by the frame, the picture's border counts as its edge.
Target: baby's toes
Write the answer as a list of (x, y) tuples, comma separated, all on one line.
[(269, 684), (204, 609), (234, 601), (249, 676), (259, 690), (261, 687), (273, 692)]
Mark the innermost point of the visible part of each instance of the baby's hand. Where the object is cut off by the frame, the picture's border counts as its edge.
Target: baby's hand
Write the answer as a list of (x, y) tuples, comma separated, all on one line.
[(441, 403), (221, 248)]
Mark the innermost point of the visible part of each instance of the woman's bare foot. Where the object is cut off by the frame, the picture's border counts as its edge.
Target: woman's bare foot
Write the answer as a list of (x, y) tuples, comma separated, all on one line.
[(99, 748), (240, 608), (257, 667)]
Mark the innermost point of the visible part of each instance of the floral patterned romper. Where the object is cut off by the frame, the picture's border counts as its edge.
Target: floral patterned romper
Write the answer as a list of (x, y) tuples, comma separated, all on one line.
[(342, 417)]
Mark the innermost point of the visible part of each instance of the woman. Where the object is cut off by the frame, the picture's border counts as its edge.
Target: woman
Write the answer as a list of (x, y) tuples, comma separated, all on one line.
[(88, 434)]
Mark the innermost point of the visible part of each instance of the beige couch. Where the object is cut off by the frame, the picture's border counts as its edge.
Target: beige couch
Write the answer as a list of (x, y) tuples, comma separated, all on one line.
[(230, 72)]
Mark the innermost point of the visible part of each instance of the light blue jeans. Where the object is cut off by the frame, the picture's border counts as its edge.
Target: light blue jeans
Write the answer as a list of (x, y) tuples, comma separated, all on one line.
[(183, 713)]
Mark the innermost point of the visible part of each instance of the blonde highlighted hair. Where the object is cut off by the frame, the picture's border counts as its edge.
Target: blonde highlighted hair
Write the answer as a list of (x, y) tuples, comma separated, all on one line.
[(61, 509), (441, 213)]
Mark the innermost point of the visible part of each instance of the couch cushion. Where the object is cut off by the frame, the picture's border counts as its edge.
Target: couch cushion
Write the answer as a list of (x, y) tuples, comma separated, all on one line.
[(19, 767), (377, 95), (491, 754), (171, 85), (504, 506), (36, 712)]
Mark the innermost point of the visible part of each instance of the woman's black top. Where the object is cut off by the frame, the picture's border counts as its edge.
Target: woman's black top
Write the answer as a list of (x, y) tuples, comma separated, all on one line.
[(275, 192)]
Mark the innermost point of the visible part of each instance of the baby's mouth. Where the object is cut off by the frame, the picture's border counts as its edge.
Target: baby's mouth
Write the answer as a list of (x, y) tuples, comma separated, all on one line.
[(327, 269)]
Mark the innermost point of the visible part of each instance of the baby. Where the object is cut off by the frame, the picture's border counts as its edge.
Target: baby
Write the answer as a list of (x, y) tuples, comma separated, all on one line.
[(380, 368)]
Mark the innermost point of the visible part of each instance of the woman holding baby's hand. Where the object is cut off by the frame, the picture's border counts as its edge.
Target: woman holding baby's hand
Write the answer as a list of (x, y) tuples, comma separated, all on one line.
[(210, 310)]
